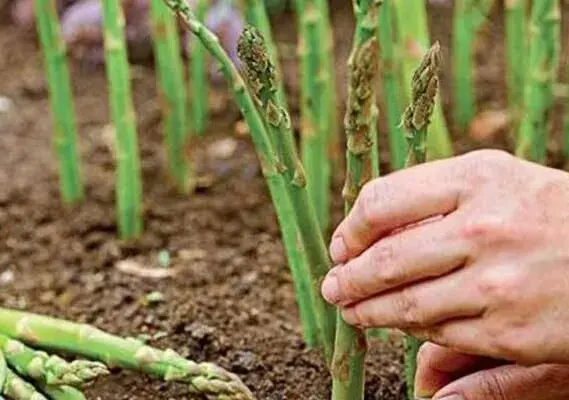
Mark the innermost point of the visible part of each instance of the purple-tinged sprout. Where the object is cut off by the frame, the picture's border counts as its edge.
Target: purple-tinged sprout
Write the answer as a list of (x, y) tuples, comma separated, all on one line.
[(82, 28), (225, 20)]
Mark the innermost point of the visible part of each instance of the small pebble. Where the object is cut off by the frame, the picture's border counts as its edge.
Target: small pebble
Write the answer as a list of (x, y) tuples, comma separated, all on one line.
[(6, 104), (6, 277)]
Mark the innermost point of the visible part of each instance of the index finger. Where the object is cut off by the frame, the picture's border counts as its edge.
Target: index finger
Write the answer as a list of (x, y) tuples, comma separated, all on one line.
[(395, 201)]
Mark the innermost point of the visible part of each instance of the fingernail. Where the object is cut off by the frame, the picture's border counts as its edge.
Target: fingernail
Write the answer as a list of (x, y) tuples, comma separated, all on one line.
[(338, 249), (451, 397), (331, 288)]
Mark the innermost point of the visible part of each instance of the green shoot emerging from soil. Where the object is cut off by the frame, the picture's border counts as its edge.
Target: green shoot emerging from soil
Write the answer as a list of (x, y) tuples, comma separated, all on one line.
[(199, 99), (64, 133), (416, 120), (128, 184), (172, 90)]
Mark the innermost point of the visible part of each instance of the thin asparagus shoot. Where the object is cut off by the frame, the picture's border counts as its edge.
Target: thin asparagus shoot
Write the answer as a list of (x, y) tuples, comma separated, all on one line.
[(51, 370), (261, 75), (516, 38), (468, 18), (315, 248), (414, 38), (348, 365), (173, 92), (542, 72), (199, 88), (61, 100), (391, 85), (62, 393), (128, 183), (87, 341), (258, 17), (16, 388), (416, 119), (315, 106)]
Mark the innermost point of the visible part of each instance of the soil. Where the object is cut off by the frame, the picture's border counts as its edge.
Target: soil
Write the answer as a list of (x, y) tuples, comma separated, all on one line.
[(230, 298)]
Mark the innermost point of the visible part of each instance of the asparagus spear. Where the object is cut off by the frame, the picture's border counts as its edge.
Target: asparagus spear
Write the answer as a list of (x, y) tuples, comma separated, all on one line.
[(468, 18), (128, 184), (51, 370), (3, 371), (62, 393), (350, 347), (515, 13), (171, 77), (61, 99), (414, 33), (315, 107), (257, 15), (16, 388), (416, 119), (90, 342), (391, 85), (261, 75), (199, 100), (543, 66)]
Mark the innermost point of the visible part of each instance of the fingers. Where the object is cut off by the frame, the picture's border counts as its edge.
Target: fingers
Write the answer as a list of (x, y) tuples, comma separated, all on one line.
[(422, 305), (437, 366), (395, 201), (511, 382), (427, 250)]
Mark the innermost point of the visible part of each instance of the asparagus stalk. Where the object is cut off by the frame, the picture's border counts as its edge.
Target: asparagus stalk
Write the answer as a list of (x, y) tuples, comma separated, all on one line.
[(254, 50), (16, 388), (261, 75), (61, 99), (258, 17), (515, 13), (128, 184), (50, 370), (391, 85), (468, 18), (90, 342), (3, 371), (171, 78), (63, 393), (543, 66), (348, 366), (416, 119), (315, 107), (199, 100), (413, 30)]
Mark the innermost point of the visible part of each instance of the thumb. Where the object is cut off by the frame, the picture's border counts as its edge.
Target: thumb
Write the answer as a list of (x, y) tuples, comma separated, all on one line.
[(511, 382)]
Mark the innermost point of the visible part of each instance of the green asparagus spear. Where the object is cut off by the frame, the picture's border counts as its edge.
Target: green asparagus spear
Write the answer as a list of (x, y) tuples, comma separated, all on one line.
[(16, 388), (542, 72), (3, 370), (62, 393), (199, 99), (51, 370), (516, 34), (414, 35), (391, 85), (90, 342), (425, 83), (261, 76), (61, 99), (173, 92), (128, 184), (257, 15), (350, 347), (468, 18), (315, 107)]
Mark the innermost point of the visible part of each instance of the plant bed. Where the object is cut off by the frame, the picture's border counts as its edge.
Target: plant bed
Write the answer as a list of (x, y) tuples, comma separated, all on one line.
[(226, 292)]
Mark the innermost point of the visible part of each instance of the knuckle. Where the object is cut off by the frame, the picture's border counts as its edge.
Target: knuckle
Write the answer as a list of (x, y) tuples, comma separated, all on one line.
[(361, 316), (383, 262), (406, 306), (350, 285), (491, 387), (371, 194), (484, 165), (487, 230), (502, 286)]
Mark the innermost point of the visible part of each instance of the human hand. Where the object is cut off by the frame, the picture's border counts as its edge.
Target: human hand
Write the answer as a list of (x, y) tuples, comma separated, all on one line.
[(488, 276), (445, 374)]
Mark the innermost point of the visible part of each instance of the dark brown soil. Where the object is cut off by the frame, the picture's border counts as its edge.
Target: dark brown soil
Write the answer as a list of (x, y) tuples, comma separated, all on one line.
[(231, 300)]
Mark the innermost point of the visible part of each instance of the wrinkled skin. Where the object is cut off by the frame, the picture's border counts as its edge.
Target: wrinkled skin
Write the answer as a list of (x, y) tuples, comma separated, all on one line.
[(81, 23), (470, 253)]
